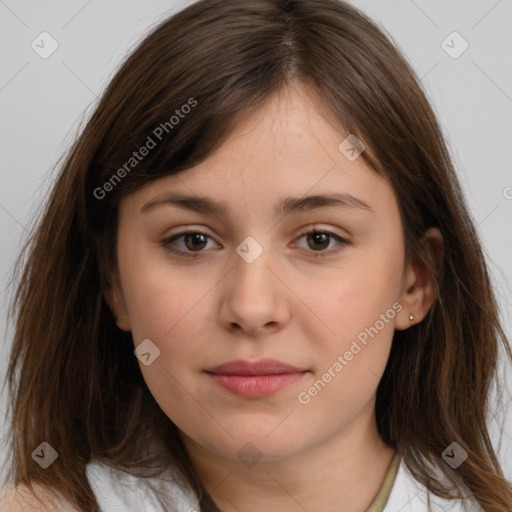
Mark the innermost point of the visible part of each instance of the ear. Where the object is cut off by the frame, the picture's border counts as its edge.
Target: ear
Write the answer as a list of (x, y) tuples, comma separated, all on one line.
[(114, 297), (419, 289)]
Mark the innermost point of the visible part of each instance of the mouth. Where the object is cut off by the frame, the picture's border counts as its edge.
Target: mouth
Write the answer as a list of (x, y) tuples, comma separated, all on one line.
[(255, 379)]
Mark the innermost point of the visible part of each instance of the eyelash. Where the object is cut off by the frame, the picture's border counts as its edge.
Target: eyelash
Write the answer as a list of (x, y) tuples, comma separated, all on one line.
[(315, 254)]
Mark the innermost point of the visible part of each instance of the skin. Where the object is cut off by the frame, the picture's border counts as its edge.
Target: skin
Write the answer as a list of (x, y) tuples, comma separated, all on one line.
[(285, 305)]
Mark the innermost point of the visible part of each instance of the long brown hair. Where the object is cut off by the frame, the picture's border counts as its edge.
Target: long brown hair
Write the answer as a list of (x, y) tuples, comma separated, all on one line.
[(73, 379)]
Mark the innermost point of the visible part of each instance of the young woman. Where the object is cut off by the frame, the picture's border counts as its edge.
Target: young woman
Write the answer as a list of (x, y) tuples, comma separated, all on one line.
[(256, 285)]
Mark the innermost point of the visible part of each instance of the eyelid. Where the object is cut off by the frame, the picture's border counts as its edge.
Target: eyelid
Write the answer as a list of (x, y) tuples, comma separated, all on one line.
[(319, 228)]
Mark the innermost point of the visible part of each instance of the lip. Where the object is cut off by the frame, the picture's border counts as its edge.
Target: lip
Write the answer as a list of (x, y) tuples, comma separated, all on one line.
[(262, 367), (255, 379)]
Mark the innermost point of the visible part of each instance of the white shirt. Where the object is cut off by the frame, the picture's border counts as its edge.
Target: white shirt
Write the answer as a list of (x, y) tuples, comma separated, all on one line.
[(129, 494), (409, 495)]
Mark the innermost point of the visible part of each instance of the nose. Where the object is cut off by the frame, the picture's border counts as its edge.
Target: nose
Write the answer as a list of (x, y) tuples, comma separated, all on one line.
[(254, 297)]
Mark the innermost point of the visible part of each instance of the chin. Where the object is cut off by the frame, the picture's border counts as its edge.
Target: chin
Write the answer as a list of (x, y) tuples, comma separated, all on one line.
[(254, 445)]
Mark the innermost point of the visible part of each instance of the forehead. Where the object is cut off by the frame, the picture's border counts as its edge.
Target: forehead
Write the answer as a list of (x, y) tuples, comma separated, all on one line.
[(285, 148)]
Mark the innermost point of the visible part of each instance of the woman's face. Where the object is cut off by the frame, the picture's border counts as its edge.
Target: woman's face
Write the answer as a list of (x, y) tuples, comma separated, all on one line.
[(252, 285)]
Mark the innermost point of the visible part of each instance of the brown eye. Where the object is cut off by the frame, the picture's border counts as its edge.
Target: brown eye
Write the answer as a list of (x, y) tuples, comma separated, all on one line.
[(318, 240), (317, 243), (195, 241), (188, 244)]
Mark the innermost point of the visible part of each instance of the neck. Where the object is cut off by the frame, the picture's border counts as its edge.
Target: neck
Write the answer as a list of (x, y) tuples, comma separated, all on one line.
[(343, 473)]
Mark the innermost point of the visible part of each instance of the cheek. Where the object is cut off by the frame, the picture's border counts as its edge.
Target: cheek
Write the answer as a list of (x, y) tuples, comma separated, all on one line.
[(350, 362), (364, 289), (162, 298), (358, 311), (169, 309)]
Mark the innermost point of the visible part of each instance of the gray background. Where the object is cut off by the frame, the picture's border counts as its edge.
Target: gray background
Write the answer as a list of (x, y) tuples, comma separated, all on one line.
[(44, 101)]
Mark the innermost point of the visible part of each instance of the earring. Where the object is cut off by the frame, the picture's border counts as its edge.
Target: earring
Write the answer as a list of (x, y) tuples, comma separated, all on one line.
[(411, 317)]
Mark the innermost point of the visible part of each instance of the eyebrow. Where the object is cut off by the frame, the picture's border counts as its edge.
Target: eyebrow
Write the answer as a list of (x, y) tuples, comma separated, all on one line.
[(286, 206)]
